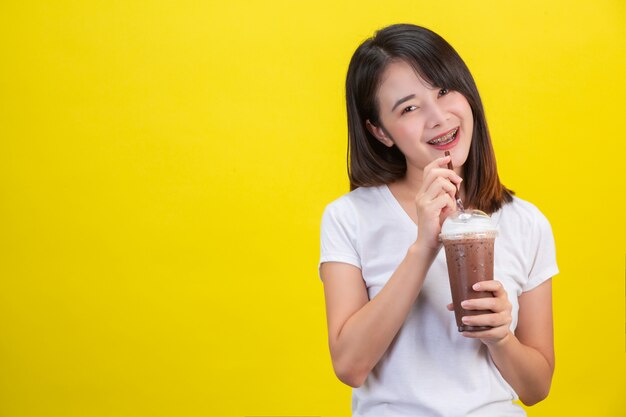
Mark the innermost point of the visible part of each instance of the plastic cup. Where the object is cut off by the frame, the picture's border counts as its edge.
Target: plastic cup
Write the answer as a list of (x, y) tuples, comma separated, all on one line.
[(468, 238)]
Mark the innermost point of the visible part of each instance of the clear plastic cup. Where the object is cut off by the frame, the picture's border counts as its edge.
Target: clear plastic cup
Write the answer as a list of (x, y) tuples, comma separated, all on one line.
[(468, 238)]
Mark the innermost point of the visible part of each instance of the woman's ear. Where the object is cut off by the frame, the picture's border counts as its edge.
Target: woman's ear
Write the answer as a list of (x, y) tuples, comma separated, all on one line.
[(379, 133)]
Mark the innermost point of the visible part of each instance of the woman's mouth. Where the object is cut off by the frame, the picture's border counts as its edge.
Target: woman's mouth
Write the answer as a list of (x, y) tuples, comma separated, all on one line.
[(442, 141)]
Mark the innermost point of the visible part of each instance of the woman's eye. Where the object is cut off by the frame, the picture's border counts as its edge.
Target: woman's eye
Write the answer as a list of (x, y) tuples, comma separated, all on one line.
[(408, 109), (443, 92)]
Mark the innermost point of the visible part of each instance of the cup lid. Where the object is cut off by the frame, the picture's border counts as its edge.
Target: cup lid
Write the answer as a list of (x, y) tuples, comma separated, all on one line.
[(468, 221)]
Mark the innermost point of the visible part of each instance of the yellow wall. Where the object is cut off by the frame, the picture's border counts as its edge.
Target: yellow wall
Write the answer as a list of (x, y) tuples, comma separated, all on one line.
[(164, 167)]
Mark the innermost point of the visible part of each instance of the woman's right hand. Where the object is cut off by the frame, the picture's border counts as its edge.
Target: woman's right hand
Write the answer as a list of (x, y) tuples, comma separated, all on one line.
[(435, 201)]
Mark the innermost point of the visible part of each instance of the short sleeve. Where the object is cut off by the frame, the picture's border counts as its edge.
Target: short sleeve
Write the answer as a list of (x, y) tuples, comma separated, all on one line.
[(542, 256), (338, 235)]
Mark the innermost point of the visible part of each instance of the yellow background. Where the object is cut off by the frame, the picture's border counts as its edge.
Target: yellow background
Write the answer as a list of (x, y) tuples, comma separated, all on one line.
[(164, 167)]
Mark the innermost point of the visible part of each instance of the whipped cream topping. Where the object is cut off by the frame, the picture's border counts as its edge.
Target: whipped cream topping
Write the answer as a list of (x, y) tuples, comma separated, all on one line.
[(470, 221)]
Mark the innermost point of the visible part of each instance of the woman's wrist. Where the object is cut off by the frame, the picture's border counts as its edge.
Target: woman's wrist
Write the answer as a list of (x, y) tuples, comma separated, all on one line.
[(422, 254), (422, 245), (502, 343)]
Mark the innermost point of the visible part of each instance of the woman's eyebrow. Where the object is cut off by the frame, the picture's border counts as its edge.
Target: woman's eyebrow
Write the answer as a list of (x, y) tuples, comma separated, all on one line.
[(402, 100)]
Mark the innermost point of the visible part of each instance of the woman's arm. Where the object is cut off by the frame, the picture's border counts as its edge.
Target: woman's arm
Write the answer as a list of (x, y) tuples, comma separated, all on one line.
[(360, 331), (525, 359)]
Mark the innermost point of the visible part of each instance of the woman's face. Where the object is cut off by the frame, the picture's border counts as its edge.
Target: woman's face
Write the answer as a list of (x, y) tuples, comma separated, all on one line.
[(423, 121)]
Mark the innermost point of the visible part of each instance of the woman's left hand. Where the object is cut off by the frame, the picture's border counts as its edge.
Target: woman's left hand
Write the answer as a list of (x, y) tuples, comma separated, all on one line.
[(499, 319)]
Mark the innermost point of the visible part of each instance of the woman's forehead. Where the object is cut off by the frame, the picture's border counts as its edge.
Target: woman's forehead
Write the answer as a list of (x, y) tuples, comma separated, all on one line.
[(400, 77)]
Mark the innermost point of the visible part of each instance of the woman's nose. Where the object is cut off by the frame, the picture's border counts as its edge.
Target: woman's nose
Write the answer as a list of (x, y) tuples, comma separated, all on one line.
[(436, 115)]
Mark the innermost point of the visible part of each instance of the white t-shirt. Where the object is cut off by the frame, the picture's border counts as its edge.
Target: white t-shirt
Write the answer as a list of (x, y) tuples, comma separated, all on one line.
[(430, 369)]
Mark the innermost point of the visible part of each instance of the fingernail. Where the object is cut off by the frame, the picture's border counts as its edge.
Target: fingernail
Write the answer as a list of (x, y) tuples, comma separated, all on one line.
[(465, 304), (476, 286), (464, 320)]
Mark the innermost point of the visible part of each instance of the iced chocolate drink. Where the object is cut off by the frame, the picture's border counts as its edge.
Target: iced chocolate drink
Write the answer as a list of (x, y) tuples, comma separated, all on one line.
[(468, 238)]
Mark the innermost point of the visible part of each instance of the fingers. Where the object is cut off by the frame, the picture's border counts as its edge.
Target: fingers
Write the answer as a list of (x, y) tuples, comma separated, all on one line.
[(436, 204), (450, 307), (499, 324), (491, 320), (439, 185), (493, 285), (438, 181), (487, 303), (498, 303), (441, 162), (435, 200), (432, 174), (438, 169), (499, 319)]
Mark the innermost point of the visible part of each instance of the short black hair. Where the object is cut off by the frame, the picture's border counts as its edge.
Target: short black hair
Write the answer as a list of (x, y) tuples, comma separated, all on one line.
[(370, 163)]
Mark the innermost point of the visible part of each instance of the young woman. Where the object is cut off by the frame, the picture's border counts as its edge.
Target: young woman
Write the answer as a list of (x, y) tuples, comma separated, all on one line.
[(391, 332)]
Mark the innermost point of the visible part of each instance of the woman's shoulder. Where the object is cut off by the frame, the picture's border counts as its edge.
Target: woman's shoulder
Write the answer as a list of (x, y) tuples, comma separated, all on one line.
[(521, 206), (359, 198), (521, 212)]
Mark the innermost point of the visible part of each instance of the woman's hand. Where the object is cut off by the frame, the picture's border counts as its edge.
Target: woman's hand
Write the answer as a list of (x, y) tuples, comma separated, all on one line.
[(499, 320), (435, 201)]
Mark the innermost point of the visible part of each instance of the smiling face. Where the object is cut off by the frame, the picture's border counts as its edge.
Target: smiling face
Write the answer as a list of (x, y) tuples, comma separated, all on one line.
[(422, 120)]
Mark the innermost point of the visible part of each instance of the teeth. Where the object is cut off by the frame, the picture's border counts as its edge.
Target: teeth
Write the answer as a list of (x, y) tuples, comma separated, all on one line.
[(443, 139)]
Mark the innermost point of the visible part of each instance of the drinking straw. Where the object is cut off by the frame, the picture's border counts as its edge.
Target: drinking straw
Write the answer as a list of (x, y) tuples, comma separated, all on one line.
[(457, 197)]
